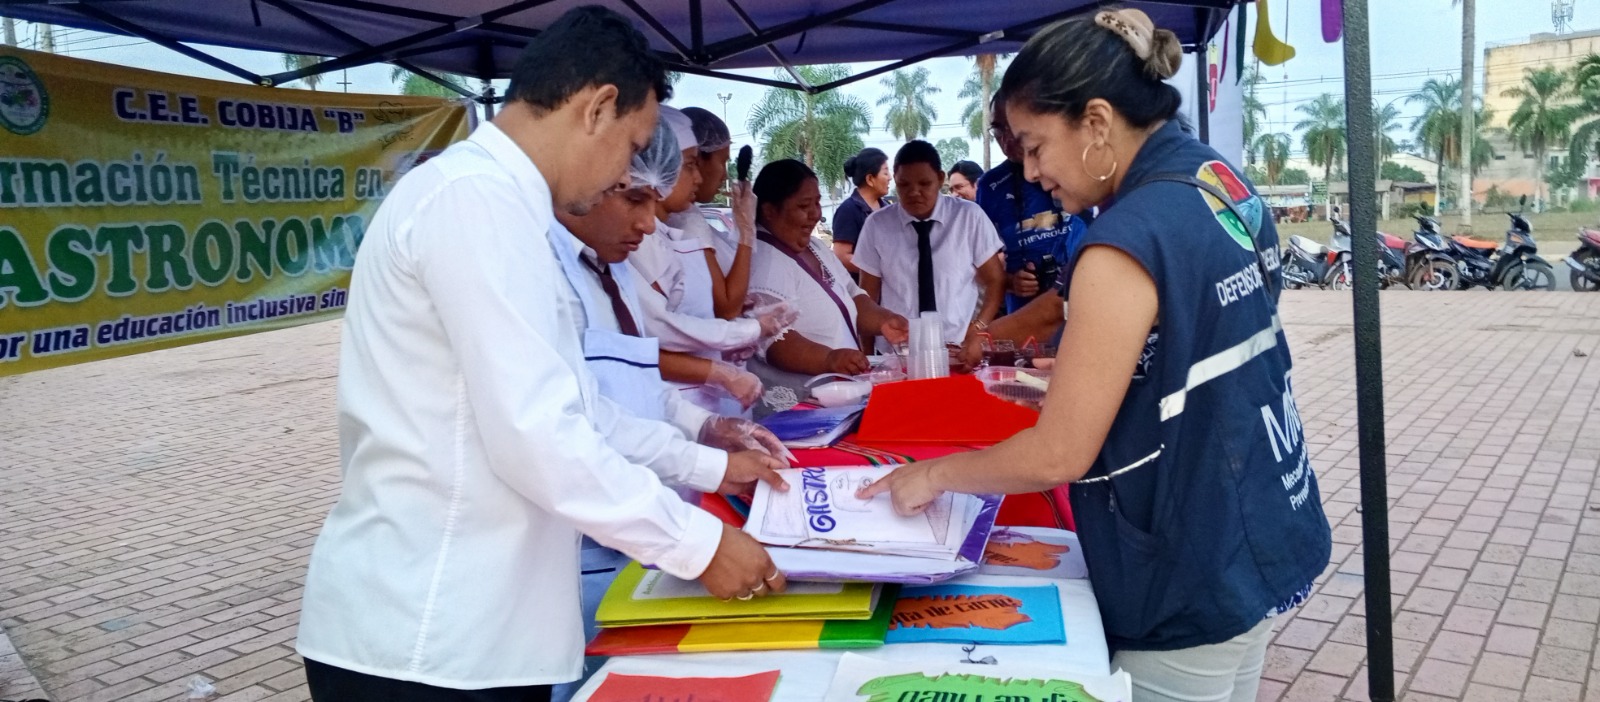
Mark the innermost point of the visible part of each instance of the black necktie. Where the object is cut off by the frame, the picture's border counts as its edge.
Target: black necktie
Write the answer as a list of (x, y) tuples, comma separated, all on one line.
[(925, 298), (618, 307)]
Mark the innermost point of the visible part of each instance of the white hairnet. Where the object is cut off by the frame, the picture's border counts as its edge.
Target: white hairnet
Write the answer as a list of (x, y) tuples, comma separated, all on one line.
[(682, 127), (657, 166), (710, 132)]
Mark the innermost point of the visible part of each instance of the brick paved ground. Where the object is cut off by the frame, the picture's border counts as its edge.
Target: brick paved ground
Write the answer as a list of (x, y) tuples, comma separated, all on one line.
[(159, 509)]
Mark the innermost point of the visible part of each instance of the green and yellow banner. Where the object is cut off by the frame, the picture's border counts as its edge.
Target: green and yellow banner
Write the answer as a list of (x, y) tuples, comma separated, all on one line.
[(141, 210)]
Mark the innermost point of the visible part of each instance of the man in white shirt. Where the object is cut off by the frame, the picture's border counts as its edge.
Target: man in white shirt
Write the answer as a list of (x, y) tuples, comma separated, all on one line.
[(475, 445), (932, 253)]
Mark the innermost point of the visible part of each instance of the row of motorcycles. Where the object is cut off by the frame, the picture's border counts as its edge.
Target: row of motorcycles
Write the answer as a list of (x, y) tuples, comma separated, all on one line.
[(1432, 261)]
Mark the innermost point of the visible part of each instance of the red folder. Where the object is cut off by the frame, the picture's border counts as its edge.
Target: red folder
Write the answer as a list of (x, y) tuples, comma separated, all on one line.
[(953, 410)]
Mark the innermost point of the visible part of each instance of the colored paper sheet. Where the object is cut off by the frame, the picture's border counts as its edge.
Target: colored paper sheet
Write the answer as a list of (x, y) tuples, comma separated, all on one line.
[(752, 636), (1034, 552), (640, 597), (864, 679), (974, 614), (643, 688)]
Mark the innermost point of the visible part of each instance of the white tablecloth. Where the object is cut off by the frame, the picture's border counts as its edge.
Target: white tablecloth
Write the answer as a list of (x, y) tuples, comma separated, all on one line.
[(806, 674)]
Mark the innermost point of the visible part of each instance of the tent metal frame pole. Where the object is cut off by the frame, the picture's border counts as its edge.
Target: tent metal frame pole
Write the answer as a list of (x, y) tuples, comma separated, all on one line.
[(738, 45), (96, 13), (772, 50), (1368, 352), (1202, 108), (697, 28), (659, 28), (319, 23), (1002, 34), (388, 50)]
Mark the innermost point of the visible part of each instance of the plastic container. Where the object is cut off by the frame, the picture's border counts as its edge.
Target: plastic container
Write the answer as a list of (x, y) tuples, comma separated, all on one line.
[(1001, 381)]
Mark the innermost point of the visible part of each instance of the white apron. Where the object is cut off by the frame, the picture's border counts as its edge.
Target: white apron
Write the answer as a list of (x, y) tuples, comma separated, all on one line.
[(699, 302), (629, 373)]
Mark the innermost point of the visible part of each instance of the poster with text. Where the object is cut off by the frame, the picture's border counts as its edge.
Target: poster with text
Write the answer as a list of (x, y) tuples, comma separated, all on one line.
[(142, 210)]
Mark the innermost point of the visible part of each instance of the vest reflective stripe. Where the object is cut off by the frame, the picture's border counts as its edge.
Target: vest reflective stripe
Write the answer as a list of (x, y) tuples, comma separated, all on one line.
[(1220, 364)]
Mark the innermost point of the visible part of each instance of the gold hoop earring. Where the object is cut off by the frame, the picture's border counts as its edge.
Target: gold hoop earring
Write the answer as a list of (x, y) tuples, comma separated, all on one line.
[(1101, 178)]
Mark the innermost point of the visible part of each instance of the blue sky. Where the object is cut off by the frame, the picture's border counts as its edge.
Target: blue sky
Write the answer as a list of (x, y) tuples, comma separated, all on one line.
[(1412, 41)]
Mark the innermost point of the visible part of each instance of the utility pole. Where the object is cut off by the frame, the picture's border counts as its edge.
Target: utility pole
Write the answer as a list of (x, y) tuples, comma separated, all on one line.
[(47, 38), (1469, 113), (10, 27), (344, 79)]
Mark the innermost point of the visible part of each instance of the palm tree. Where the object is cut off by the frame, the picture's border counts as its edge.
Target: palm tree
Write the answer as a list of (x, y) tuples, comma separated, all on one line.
[(1274, 152), (1467, 133), (1384, 121), (413, 84), (1255, 112), (978, 90), (295, 62), (1586, 85), (1323, 133), (1543, 119), (1438, 128), (910, 115), (823, 130)]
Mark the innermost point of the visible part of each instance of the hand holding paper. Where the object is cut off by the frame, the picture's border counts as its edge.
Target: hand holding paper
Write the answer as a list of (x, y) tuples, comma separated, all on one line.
[(741, 569)]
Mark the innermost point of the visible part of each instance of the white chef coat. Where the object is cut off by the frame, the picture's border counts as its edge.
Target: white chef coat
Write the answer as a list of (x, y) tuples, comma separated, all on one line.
[(676, 410), (963, 239), (774, 272), (686, 333), (693, 223), (475, 446)]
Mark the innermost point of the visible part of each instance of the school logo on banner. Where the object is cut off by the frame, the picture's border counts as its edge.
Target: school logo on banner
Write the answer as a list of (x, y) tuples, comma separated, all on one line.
[(1218, 174), (24, 103)]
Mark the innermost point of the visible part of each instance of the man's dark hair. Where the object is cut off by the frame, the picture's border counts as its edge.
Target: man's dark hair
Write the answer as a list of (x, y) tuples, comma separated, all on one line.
[(588, 46), (969, 170), (918, 151)]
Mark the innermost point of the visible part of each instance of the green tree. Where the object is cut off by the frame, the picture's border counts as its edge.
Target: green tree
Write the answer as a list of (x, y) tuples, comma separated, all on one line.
[(1322, 132), (952, 150), (1294, 176), (1586, 86), (1403, 174), (1384, 121), (413, 84), (978, 90), (1255, 113), (295, 62), (822, 130), (1274, 152), (910, 114), (1438, 128), (1543, 119)]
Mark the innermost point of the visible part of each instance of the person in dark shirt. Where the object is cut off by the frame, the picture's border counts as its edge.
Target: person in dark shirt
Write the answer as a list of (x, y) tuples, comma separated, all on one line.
[(1171, 408), (964, 180), (869, 172), (1039, 236)]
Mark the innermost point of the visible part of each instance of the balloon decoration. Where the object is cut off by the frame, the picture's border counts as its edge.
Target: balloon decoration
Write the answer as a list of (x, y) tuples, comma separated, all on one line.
[(1332, 20), (1268, 47)]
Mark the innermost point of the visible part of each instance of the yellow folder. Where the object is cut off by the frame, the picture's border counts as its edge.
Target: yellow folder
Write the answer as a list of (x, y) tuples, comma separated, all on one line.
[(640, 597)]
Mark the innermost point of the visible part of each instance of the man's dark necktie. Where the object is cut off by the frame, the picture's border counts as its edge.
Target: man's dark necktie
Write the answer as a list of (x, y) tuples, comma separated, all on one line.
[(925, 298), (624, 317)]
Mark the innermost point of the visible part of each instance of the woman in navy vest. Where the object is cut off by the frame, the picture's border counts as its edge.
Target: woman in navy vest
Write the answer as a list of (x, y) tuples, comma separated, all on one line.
[(1171, 410)]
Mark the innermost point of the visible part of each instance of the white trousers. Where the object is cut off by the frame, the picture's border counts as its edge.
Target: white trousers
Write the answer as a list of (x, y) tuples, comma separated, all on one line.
[(1226, 672)]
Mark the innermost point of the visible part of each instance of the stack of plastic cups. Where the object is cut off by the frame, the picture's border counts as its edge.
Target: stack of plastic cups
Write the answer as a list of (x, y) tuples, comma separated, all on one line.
[(927, 357)]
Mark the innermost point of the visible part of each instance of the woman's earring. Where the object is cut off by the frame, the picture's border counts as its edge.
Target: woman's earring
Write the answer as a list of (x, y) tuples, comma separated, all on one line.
[(1101, 178)]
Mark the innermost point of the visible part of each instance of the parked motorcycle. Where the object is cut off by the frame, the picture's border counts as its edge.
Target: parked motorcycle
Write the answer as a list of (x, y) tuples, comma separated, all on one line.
[(1430, 264), (1518, 265), (1307, 263), (1391, 252), (1585, 262), (1464, 262)]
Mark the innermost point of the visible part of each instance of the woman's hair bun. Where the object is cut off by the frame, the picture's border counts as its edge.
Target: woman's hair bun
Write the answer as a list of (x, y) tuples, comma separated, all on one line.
[(1166, 55)]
